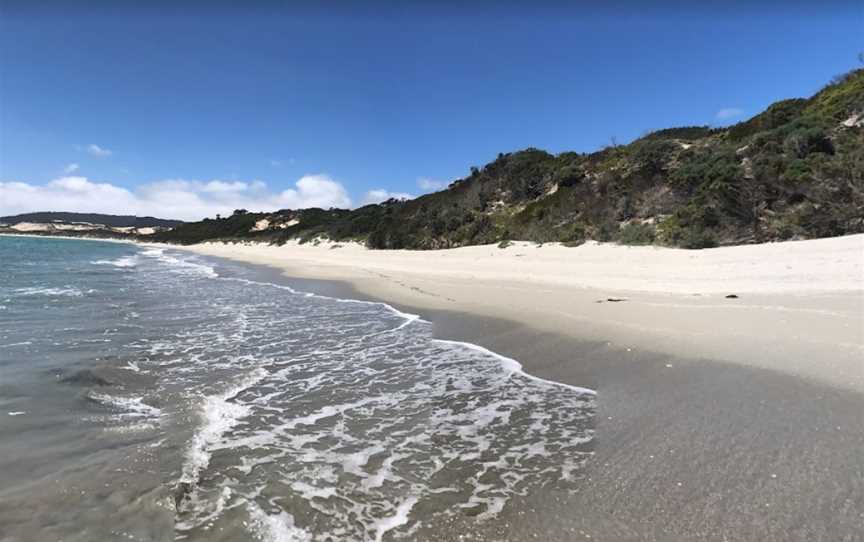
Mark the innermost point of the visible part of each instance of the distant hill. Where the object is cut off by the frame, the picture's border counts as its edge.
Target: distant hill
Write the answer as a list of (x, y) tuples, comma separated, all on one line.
[(113, 221), (795, 170)]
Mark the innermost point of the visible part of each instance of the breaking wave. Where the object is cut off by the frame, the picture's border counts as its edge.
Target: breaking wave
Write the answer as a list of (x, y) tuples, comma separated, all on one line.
[(124, 261)]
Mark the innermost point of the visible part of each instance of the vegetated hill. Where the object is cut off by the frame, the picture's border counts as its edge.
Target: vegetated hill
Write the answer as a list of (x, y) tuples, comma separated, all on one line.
[(113, 221), (795, 170)]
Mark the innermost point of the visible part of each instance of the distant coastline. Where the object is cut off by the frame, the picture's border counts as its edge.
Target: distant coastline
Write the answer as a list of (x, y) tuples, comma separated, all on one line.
[(70, 237)]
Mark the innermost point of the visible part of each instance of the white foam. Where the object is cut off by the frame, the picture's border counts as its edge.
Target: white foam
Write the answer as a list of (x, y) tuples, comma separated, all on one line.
[(409, 318), (509, 364), (514, 366), (133, 406), (12, 345), (153, 252), (219, 415), (181, 265), (67, 291), (399, 518), (17, 412), (125, 261), (275, 527), (310, 492)]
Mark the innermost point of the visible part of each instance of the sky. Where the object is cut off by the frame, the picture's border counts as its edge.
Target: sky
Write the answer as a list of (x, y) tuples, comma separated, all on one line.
[(186, 110)]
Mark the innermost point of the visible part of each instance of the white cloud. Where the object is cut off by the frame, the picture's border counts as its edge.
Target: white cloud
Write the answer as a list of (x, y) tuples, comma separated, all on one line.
[(71, 168), (94, 150), (178, 198), (222, 187), (425, 183), (729, 113), (379, 194)]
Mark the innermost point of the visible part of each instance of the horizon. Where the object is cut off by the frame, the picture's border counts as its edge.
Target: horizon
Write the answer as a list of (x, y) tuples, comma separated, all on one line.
[(293, 106)]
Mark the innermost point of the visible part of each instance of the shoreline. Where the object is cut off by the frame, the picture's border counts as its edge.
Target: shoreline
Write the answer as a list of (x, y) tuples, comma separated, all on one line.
[(810, 321), (686, 447)]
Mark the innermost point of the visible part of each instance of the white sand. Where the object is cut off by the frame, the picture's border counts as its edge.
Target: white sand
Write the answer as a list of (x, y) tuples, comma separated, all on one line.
[(800, 310)]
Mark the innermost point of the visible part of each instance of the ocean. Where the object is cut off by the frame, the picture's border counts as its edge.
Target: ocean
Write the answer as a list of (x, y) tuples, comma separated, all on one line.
[(151, 394)]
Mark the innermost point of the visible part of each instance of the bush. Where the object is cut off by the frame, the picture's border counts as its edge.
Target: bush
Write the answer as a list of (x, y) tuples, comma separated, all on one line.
[(683, 132), (653, 155), (690, 227), (636, 234)]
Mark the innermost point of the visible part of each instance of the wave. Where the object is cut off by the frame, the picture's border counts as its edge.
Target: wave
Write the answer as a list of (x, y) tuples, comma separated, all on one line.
[(66, 291), (133, 407), (181, 265), (514, 366), (13, 345), (509, 364), (124, 261), (153, 252), (219, 415)]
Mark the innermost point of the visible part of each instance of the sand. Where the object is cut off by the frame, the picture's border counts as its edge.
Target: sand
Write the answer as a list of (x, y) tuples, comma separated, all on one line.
[(799, 306), (718, 418)]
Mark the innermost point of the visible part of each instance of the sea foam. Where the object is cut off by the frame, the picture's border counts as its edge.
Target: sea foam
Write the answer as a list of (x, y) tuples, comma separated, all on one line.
[(122, 262)]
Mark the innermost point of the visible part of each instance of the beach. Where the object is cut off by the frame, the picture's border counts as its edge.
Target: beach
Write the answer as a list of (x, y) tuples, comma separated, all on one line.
[(730, 381)]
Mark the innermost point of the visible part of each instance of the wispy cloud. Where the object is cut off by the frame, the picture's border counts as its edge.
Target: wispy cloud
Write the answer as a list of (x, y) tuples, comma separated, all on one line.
[(429, 185), (379, 194), (729, 113), (71, 168), (94, 150), (174, 198)]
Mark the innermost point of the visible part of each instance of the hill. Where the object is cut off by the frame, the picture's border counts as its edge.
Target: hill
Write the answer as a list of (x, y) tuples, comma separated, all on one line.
[(114, 221), (795, 170)]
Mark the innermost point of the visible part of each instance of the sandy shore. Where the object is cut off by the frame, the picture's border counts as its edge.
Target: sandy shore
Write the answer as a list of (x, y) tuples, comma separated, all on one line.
[(799, 306), (719, 418)]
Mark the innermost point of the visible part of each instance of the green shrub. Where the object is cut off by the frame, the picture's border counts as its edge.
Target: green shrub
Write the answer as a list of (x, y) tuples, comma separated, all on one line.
[(636, 234)]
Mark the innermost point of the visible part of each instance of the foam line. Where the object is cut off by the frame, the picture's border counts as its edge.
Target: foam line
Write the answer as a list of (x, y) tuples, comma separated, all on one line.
[(514, 366), (508, 363)]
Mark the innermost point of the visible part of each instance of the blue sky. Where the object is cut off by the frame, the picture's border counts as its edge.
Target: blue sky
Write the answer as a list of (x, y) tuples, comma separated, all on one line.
[(371, 99)]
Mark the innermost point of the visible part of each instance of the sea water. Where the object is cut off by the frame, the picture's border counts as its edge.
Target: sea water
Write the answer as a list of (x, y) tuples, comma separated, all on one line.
[(150, 394)]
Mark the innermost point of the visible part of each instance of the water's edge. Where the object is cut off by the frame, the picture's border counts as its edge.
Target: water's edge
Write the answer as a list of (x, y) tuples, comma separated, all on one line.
[(454, 327)]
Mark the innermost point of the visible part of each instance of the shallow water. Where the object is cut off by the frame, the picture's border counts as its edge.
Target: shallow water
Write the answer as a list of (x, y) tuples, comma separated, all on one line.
[(148, 394)]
